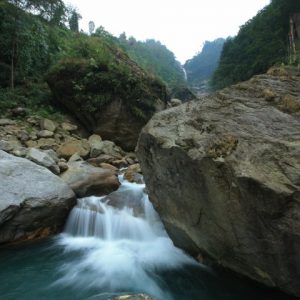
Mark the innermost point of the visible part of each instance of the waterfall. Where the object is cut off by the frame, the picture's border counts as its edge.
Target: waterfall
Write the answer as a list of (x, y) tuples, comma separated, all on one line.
[(121, 243), (184, 72)]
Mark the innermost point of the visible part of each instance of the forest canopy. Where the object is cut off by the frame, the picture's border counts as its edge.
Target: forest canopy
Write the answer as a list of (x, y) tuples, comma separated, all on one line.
[(260, 43)]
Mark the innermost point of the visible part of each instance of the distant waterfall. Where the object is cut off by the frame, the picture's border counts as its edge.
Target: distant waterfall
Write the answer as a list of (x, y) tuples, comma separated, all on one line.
[(184, 72)]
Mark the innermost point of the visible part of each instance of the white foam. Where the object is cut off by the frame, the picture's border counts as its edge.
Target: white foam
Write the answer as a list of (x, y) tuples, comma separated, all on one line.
[(120, 250)]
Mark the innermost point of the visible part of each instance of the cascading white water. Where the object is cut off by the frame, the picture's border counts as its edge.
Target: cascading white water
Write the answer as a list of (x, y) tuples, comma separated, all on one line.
[(185, 74), (122, 244)]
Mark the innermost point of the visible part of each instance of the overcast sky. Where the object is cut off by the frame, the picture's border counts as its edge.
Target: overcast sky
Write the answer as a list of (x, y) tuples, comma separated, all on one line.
[(181, 25)]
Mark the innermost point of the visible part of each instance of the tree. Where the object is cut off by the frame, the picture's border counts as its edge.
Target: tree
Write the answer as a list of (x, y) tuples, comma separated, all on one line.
[(260, 43), (54, 11), (24, 45), (74, 20)]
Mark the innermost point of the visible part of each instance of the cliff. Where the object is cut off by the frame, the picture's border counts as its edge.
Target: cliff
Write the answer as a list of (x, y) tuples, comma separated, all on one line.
[(224, 175)]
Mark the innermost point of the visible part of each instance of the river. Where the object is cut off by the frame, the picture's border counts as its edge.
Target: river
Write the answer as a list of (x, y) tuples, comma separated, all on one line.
[(115, 245)]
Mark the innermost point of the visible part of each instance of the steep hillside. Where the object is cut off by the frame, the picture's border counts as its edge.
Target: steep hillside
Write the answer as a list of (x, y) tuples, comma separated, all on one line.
[(260, 43), (201, 67)]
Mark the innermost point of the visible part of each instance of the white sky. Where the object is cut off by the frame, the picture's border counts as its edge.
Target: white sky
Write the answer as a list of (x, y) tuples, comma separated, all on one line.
[(181, 25)]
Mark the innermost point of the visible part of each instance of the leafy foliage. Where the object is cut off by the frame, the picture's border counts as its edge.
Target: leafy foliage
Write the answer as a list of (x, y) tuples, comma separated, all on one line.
[(155, 58), (260, 43), (202, 66), (94, 73), (151, 55)]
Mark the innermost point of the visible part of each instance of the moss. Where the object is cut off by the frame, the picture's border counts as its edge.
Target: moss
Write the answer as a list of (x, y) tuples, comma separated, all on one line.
[(98, 73)]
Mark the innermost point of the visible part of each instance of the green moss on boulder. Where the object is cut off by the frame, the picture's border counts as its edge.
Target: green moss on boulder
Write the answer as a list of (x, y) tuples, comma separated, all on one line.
[(96, 80)]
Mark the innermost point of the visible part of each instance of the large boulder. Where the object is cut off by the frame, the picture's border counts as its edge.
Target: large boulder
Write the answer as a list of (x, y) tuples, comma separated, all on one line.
[(87, 180), (69, 148), (33, 202), (109, 93), (224, 175)]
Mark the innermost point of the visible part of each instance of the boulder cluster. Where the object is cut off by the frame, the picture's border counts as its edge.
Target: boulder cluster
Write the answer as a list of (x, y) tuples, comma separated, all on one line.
[(45, 165)]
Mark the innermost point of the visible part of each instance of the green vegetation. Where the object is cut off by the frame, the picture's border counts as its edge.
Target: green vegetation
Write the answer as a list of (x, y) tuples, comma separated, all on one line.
[(260, 43), (151, 55), (98, 69), (201, 67), (155, 58), (95, 73)]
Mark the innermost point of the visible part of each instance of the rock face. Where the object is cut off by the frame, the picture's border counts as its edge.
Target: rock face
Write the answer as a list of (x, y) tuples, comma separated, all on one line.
[(33, 202), (224, 175)]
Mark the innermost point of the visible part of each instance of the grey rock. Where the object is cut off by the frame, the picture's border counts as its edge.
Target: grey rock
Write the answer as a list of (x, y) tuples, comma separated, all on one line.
[(109, 148), (68, 126), (45, 134), (75, 157), (175, 102), (20, 152), (63, 166), (52, 154), (224, 175), (43, 159), (9, 146), (47, 143), (96, 145), (33, 202), (47, 124), (4, 122)]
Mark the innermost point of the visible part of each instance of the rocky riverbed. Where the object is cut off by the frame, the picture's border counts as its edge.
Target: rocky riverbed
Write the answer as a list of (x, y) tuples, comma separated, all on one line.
[(45, 165)]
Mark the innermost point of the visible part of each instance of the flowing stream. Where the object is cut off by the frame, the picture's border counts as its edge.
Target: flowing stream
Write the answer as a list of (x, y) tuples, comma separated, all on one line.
[(115, 245)]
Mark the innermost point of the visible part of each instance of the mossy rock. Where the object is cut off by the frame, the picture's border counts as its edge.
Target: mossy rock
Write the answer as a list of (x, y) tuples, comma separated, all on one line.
[(100, 81)]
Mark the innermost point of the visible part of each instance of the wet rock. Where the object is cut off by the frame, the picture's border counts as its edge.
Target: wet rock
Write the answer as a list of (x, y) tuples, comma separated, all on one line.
[(133, 174), (34, 202), (120, 163), (86, 180)]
